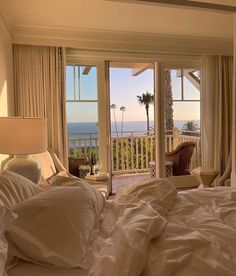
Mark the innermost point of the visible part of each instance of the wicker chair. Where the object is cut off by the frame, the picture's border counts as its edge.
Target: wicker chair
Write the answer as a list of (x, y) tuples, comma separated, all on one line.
[(181, 157)]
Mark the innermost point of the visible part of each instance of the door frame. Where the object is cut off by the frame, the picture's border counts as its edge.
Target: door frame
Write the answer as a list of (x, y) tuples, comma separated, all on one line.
[(101, 60)]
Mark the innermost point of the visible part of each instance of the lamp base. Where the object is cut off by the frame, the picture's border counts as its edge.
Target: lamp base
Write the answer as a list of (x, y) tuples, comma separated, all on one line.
[(26, 166)]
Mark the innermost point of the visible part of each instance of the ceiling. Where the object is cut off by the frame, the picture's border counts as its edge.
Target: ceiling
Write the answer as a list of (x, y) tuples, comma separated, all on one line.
[(220, 2), (121, 16)]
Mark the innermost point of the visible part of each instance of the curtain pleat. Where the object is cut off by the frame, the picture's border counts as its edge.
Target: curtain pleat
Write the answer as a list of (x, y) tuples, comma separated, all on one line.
[(216, 112), (39, 91)]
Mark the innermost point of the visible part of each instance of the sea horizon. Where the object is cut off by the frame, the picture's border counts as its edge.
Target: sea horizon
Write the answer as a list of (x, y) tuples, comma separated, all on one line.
[(75, 128)]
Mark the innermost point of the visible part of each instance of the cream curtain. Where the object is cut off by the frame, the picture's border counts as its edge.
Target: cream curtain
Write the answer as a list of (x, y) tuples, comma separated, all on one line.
[(216, 113), (39, 78)]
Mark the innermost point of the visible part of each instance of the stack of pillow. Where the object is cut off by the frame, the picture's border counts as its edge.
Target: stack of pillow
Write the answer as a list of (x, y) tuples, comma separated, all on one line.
[(51, 227)]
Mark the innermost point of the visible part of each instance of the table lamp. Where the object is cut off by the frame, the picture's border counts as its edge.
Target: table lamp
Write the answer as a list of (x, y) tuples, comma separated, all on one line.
[(22, 137)]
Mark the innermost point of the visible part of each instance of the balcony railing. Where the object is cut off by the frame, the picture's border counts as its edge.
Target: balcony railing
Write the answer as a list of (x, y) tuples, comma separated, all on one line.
[(133, 151)]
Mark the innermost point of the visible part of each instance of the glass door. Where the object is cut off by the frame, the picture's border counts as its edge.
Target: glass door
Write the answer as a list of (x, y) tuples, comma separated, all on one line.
[(182, 120), (131, 86)]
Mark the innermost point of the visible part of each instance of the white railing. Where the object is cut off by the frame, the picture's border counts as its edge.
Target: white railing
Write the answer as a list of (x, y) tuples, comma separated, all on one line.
[(133, 152)]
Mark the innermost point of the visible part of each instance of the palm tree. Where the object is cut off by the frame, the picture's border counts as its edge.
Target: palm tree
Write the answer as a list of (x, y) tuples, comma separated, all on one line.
[(169, 121), (122, 109), (113, 107), (146, 99), (190, 128)]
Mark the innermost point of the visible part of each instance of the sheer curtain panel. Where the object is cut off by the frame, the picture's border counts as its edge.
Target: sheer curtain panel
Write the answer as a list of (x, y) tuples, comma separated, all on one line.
[(216, 114)]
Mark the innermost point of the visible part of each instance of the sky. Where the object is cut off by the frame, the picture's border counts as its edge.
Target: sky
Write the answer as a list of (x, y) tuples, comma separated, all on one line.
[(124, 89), (82, 112)]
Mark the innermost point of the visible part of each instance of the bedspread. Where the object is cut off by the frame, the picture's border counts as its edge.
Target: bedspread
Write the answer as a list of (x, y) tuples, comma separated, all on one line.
[(123, 250), (200, 237), (155, 232)]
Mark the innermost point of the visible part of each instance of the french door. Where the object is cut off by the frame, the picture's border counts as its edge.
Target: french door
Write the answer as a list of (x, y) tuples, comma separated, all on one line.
[(106, 151)]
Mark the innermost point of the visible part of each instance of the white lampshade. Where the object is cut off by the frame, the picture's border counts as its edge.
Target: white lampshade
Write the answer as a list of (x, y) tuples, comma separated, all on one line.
[(23, 135)]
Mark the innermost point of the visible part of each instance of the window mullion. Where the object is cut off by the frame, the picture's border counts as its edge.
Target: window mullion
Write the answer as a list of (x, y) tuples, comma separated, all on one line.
[(182, 85)]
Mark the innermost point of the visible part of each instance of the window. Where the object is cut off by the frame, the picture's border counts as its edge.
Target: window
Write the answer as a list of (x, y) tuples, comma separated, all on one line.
[(81, 83), (82, 110), (186, 85)]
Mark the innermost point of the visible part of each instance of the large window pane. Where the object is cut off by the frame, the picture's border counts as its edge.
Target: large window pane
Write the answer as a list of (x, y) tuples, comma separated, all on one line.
[(82, 116), (191, 87), (183, 114), (176, 84), (88, 83)]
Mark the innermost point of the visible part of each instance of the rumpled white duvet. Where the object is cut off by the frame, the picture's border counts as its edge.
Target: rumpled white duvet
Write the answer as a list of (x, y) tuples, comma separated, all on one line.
[(152, 230), (200, 236), (130, 222)]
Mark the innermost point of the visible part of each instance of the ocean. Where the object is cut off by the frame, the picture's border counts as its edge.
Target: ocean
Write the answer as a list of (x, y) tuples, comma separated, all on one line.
[(90, 129)]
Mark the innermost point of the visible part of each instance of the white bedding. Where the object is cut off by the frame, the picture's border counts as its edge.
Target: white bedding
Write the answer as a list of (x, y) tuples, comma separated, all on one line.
[(197, 237), (200, 237), (114, 250), (28, 269)]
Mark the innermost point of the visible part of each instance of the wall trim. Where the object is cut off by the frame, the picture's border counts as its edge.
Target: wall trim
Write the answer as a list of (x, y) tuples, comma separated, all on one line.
[(203, 5), (93, 39), (78, 56)]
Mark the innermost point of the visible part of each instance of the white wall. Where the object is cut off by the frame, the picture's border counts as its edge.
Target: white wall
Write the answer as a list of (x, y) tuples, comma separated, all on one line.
[(6, 72)]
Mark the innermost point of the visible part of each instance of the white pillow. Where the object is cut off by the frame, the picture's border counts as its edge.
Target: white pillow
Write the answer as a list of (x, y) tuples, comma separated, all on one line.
[(15, 188), (6, 216), (55, 227), (160, 193)]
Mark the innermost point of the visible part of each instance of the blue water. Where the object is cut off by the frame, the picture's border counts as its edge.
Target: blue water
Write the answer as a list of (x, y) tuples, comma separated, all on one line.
[(92, 127)]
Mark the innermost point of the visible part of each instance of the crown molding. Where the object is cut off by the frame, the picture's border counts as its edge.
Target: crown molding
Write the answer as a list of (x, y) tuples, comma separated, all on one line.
[(6, 15), (105, 40), (202, 5)]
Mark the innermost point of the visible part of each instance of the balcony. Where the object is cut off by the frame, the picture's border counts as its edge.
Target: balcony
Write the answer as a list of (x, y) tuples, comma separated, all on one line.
[(132, 152)]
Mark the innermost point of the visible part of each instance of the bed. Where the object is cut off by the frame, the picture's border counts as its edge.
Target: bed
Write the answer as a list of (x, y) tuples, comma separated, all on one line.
[(148, 229)]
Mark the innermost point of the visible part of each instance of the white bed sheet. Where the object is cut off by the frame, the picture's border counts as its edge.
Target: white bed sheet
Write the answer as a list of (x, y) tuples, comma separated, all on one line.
[(200, 236), (29, 269), (118, 244), (197, 238)]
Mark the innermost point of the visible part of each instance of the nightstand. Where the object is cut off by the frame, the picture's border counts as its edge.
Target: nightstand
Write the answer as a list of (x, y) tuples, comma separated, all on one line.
[(205, 176)]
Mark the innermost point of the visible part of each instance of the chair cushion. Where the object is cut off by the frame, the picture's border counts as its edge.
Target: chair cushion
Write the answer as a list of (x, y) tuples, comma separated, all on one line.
[(47, 166)]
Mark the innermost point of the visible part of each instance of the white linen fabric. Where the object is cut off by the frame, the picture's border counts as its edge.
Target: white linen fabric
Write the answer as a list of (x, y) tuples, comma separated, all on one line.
[(130, 238), (55, 226), (200, 237), (39, 77), (64, 179), (29, 269), (15, 189), (130, 222), (160, 193), (6, 217), (121, 244), (118, 243), (216, 112)]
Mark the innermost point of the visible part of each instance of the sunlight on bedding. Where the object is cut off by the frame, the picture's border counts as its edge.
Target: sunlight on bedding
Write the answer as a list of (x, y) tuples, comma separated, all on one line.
[(148, 229)]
